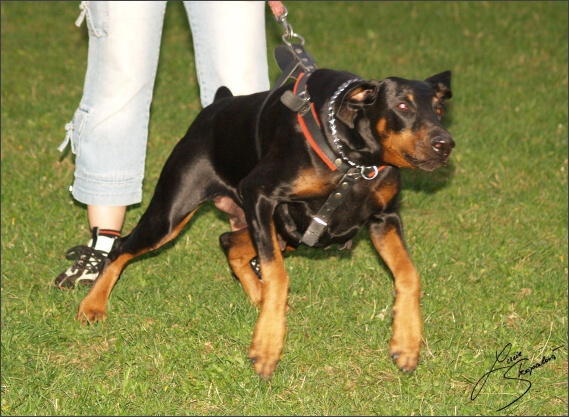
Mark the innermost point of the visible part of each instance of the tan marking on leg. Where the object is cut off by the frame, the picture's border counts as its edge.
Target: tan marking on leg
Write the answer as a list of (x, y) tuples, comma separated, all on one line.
[(407, 323), (239, 255), (270, 329), (175, 232), (94, 306)]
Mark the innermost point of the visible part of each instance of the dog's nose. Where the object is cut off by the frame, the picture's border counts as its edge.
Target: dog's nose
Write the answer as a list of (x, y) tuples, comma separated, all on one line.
[(442, 144)]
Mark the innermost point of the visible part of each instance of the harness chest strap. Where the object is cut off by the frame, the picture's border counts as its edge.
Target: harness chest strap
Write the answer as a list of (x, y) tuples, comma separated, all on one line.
[(338, 196), (320, 221)]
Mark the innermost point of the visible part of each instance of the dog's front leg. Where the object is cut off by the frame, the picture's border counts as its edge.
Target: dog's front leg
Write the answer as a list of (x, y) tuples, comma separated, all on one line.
[(407, 323), (270, 329)]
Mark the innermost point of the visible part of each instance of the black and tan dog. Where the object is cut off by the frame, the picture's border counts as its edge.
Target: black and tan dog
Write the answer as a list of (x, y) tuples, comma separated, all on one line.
[(325, 163)]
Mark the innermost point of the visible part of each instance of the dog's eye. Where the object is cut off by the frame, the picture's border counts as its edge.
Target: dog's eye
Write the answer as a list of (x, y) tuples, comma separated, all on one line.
[(402, 106), (439, 111)]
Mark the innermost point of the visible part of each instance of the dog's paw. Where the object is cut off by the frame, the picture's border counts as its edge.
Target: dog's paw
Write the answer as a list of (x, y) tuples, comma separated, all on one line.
[(89, 315), (264, 366), (268, 340), (265, 354), (406, 356)]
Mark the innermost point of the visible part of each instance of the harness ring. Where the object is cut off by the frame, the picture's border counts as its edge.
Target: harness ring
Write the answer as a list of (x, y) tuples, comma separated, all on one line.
[(365, 176)]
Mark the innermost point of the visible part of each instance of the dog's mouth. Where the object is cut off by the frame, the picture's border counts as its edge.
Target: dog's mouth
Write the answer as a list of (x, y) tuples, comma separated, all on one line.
[(425, 164), (435, 156), (430, 163)]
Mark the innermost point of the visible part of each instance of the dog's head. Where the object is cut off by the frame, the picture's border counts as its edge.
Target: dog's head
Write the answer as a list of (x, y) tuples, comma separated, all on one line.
[(396, 119)]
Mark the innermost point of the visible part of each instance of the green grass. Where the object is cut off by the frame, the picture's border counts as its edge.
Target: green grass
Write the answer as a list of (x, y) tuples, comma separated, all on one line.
[(488, 233)]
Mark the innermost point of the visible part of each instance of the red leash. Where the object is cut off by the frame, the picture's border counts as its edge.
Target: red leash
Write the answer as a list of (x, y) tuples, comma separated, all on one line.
[(280, 12), (277, 8)]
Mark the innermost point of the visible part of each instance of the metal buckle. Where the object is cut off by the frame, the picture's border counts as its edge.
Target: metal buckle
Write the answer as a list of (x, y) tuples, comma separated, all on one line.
[(305, 97)]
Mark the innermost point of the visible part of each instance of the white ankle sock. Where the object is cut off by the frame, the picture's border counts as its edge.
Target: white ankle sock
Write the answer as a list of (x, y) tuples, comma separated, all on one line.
[(104, 243)]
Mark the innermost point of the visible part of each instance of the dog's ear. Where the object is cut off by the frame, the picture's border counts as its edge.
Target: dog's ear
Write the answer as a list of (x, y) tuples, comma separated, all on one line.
[(441, 84), (222, 92), (362, 94)]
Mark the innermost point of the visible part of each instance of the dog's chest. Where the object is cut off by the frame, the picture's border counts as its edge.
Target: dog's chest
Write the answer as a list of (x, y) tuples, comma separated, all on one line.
[(361, 200)]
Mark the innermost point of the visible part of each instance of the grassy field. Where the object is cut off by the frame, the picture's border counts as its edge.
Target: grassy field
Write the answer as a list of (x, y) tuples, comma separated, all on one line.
[(488, 234)]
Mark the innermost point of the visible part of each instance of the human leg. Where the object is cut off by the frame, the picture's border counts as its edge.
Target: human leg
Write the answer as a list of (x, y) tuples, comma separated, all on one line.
[(106, 217), (230, 46), (109, 130)]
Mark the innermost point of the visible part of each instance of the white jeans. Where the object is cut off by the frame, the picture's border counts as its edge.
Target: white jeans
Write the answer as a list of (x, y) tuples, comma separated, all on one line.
[(109, 130)]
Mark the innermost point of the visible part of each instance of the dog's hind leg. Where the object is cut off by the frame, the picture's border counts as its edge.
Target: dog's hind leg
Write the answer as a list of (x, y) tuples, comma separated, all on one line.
[(146, 236), (184, 184), (239, 250)]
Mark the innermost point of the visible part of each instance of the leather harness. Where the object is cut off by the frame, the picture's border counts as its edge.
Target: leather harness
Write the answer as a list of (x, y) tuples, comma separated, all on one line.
[(295, 62)]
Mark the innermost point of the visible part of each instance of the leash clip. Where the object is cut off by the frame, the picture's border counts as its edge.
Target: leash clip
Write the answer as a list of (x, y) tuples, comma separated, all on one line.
[(289, 32)]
